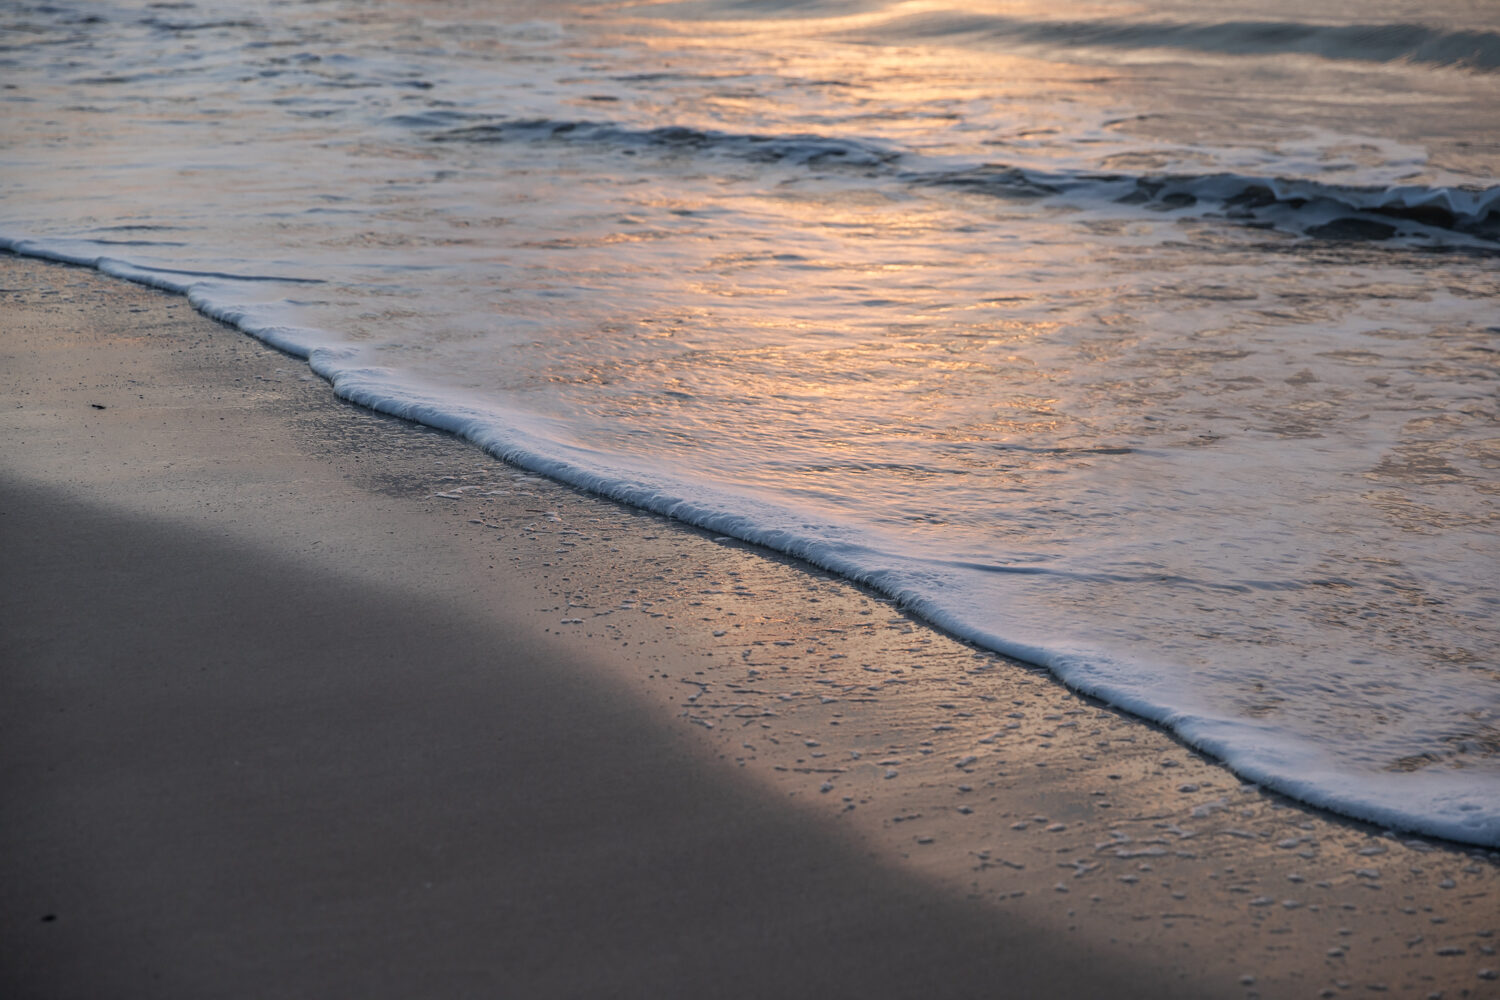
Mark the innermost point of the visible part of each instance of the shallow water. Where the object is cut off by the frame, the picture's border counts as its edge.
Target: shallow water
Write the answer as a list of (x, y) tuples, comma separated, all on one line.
[(1159, 348)]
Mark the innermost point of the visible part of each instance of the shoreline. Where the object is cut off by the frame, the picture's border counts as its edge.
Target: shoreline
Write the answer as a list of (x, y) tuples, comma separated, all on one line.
[(1187, 725), (696, 711)]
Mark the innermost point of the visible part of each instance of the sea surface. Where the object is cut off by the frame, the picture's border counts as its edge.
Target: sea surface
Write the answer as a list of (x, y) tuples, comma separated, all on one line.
[(1154, 342)]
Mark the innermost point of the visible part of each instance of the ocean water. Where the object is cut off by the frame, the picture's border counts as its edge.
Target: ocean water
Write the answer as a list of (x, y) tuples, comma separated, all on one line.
[(1154, 342)]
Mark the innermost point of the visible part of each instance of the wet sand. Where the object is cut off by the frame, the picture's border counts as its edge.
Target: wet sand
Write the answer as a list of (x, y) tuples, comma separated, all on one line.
[(303, 701)]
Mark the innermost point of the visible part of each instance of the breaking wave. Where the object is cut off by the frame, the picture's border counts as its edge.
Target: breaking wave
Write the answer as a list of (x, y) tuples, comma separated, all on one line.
[(1316, 208)]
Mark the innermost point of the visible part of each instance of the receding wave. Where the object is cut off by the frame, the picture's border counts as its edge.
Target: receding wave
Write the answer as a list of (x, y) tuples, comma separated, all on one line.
[(1316, 208), (1381, 43)]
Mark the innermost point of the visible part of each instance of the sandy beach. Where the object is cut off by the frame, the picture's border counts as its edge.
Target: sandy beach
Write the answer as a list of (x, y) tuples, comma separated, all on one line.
[(301, 701)]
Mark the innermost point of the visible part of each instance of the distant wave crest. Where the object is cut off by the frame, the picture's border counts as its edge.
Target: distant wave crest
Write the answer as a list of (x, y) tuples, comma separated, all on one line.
[(1383, 43)]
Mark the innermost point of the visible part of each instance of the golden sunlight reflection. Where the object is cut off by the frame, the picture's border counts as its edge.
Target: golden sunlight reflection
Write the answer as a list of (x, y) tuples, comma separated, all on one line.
[(839, 86)]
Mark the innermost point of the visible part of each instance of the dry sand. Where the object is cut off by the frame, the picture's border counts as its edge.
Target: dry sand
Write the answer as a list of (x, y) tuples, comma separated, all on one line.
[(303, 701)]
